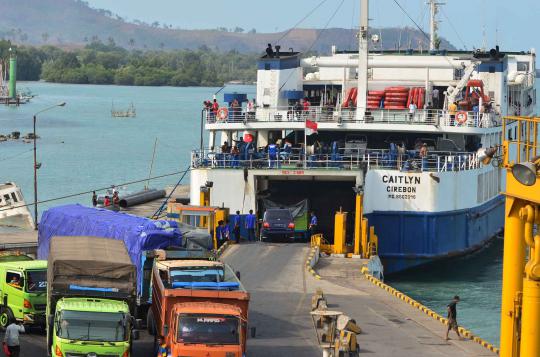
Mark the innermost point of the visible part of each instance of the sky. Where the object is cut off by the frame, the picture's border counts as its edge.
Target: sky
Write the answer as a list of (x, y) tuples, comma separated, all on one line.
[(511, 24)]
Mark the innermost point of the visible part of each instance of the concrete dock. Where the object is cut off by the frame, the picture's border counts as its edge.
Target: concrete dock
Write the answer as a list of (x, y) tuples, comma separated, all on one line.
[(281, 291)]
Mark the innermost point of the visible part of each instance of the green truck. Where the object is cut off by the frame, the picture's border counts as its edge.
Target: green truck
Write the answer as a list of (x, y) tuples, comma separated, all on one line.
[(23, 291), (91, 297)]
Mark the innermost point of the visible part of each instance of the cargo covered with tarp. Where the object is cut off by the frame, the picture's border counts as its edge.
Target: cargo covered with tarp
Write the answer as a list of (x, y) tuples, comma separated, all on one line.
[(90, 266), (298, 210), (137, 233)]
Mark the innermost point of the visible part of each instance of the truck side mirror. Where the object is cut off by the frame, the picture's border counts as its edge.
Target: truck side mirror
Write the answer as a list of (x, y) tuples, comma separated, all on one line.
[(135, 335), (253, 331), (165, 330), (237, 274)]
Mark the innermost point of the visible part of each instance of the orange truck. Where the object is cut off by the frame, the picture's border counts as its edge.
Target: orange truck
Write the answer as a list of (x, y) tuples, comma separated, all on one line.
[(199, 309)]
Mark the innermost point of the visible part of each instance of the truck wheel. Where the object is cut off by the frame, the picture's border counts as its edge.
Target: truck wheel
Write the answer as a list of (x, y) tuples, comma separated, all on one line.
[(150, 322), (6, 317)]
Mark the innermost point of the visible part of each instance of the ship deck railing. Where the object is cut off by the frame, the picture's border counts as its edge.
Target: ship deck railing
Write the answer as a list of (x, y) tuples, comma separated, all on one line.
[(342, 159), (325, 114)]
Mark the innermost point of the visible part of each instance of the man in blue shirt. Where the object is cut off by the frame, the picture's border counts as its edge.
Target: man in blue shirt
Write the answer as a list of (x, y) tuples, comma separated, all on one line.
[(236, 230), (221, 233), (250, 225), (313, 224), (272, 154)]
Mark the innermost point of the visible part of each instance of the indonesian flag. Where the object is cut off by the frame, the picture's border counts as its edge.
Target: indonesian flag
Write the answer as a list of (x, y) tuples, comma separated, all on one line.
[(311, 127)]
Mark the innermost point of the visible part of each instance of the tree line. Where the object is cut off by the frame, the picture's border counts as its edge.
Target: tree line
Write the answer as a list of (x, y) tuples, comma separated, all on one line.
[(99, 63)]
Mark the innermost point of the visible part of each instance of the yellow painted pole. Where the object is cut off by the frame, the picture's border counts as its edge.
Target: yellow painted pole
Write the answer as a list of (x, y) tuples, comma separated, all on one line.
[(513, 268), (530, 323), (340, 232), (358, 223)]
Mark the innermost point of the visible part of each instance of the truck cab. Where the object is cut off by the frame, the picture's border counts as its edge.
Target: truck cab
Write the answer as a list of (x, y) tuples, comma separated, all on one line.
[(199, 308), (201, 329), (91, 327), (23, 292)]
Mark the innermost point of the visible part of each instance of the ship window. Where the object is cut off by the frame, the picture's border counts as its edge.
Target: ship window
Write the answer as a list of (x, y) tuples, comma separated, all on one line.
[(510, 134), (523, 66), (14, 197), (267, 66), (458, 73), (491, 69), (6, 197)]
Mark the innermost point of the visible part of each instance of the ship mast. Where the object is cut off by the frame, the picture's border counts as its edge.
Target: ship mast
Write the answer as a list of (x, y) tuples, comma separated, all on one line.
[(363, 52), (433, 23)]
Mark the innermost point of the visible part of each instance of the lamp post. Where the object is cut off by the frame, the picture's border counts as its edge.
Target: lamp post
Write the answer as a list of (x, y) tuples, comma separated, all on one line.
[(36, 166)]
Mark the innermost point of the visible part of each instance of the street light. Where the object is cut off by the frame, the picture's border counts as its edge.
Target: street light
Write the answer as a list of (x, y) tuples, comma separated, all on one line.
[(36, 166), (525, 172)]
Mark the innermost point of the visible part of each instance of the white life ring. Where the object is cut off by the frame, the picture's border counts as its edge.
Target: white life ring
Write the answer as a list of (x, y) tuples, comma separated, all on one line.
[(461, 118), (222, 113)]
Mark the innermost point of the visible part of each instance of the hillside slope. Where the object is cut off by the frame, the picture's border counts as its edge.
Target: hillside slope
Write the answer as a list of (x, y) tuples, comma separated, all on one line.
[(72, 23)]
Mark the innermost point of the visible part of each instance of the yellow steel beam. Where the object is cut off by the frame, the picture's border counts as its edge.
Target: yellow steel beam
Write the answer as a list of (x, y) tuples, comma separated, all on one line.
[(513, 266)]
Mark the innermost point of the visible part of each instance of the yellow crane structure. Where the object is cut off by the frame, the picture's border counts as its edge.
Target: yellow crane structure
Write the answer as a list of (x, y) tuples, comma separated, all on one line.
[(520, 307)]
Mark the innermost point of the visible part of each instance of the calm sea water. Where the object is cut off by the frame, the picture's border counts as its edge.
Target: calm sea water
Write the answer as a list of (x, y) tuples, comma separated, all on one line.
[(83, 148)]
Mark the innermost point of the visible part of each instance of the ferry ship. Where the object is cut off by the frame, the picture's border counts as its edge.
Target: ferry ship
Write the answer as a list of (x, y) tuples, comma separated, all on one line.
[(405, 127)]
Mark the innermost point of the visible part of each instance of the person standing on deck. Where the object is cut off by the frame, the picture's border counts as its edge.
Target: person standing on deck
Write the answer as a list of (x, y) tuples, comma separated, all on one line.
[(452, 110), (452, 317), (236, 229), (435, 96), (215, 107), (11, 338), (423, 155), (250, 225), (94, 199), (313, 224), (269, 51), (412, 111)]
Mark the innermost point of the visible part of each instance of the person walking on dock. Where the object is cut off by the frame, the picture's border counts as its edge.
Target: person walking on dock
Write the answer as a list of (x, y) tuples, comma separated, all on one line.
[(452, 317), (250, 225), (236, 229), (11, 338), (94, 199)]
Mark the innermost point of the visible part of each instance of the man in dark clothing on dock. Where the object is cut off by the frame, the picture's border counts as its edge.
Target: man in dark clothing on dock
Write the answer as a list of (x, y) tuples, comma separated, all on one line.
[(452, 317), (236, 229)]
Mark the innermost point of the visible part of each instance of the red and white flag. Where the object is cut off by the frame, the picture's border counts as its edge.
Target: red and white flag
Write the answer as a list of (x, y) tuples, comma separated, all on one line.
[(311, 127)]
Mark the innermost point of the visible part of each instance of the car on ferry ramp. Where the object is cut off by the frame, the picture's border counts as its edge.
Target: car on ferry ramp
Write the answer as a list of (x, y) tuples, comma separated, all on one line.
[(277, 223)]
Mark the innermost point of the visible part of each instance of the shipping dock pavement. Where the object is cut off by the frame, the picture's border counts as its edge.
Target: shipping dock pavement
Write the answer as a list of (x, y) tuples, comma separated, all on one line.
[(281, 291)]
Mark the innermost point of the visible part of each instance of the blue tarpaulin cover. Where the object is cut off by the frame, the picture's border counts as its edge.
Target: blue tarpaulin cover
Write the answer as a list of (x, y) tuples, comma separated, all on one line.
[(139, 234)]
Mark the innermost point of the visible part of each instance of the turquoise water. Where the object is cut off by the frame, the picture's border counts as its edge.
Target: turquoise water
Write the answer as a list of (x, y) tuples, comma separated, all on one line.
[(82, 147), (477, 279)]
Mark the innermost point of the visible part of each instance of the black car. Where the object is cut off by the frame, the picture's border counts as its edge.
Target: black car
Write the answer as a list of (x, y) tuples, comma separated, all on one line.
[(277, 223)]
